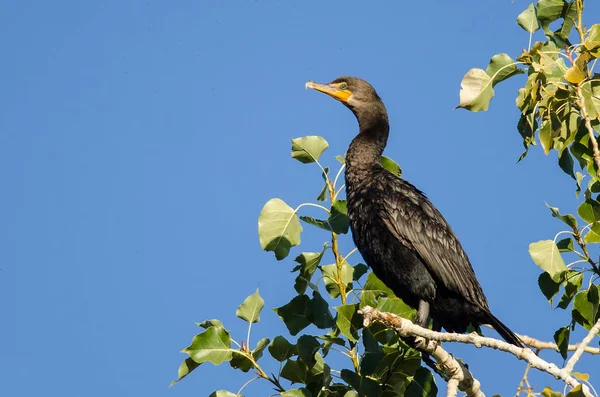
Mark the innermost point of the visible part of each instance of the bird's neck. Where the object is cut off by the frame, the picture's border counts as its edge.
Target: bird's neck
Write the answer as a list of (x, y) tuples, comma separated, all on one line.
[(366, 148)]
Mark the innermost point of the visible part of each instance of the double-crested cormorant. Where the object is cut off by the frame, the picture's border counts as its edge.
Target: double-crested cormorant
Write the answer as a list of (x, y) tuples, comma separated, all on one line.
[(400, 234)]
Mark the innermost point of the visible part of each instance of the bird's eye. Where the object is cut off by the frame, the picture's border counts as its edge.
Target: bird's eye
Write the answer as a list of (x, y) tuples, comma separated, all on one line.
[(344, 86)]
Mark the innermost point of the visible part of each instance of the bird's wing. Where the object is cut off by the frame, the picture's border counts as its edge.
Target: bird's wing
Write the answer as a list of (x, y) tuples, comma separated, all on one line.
[(413, 220)]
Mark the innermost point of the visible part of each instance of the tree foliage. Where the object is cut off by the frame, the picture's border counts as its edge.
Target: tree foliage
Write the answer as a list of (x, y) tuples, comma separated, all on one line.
[(559, 109)]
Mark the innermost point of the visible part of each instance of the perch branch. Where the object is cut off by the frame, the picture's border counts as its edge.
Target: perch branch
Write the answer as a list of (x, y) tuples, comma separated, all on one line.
[(467, 383), (460, 377), (541, 345), (582, 346)]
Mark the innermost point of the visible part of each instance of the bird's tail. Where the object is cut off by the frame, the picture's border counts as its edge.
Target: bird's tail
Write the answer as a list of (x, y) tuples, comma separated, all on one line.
[(504, 331)]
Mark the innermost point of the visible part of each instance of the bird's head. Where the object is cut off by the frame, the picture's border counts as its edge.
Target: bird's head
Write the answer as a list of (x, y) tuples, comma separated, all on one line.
[(353, 92)]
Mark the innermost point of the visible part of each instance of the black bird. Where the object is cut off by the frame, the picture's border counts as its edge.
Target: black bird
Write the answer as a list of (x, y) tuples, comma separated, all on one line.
[(400, 234)]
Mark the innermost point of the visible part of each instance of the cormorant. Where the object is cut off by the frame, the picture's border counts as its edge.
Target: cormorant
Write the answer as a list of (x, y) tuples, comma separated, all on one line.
[(400, 234)]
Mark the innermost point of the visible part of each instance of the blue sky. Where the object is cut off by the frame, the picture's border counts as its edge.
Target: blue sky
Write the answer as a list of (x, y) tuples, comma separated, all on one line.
[(140, 139)]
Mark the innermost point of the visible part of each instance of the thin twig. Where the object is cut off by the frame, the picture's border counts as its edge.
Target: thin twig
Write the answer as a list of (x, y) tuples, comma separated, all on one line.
[(586, 341), (541, 345), (588, 126)]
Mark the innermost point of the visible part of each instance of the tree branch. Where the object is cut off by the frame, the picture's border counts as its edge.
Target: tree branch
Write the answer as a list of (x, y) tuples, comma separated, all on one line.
[(582, 346), (467, 383), (541, 345), (460, 377)]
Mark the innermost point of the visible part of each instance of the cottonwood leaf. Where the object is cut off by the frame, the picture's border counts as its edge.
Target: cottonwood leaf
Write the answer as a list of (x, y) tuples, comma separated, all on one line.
[(308, 149), (545, 254), (187, 366), (528, 19), (278, 228), (501, 67), (250, 309), (476, 90), (213, 345)]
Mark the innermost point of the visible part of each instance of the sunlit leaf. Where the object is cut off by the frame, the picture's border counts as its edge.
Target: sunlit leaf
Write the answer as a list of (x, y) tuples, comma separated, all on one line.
[(296, 393), (501, 67), (476, 90), (589, 211), (250, 309), (585, 307), (330, 278), (545, 254), (593, 234), (213, 345), (278, 228), (308, 262), (549, 10), (592, 41), (308, 149), (391, 166), (528, 19), (349, 321), (224, 393), (548, 392), (580, 376), (577, 391)]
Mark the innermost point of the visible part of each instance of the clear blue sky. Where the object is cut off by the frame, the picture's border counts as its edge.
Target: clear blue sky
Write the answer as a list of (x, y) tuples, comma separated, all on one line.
[(140, 139)]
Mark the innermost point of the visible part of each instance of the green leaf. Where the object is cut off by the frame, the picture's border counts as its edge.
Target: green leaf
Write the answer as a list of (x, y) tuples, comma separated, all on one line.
[(317, 312), (338, 221), (391, 166), (296, 393), (260, 347), (308, 262), (372, 355), (330, 274), (294, 371), (323, 194), (210, 323), (359, 270), (561, 337), (476, 90), (548, 286), (241, 362), (293, 314), (187, 366), (572, 283), (308, 346), (250, 309), (546, 136), (545, 254), (528, 19), (565, 162), (422, 385), (278, 228), (213, 345), (224, 393), (549, 10), (592, 41), (366, 387), (589, 211), (308, 149), (548, 392), (577, 391), (349, 321), (565, 245), (396, 306), (585, 307), (593, 235), (501, 67), (280, 349), (373, 289)]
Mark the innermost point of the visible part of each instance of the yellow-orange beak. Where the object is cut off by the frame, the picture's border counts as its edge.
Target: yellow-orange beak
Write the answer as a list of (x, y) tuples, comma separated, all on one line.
[(333, 90)]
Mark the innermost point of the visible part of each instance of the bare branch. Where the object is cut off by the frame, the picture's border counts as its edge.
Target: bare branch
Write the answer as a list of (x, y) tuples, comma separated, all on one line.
[(586, 341), (541, 345), (467, 383)]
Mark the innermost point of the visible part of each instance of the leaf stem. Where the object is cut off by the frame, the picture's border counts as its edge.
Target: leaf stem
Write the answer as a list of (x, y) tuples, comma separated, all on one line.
[(311, 205), (586, 254)]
